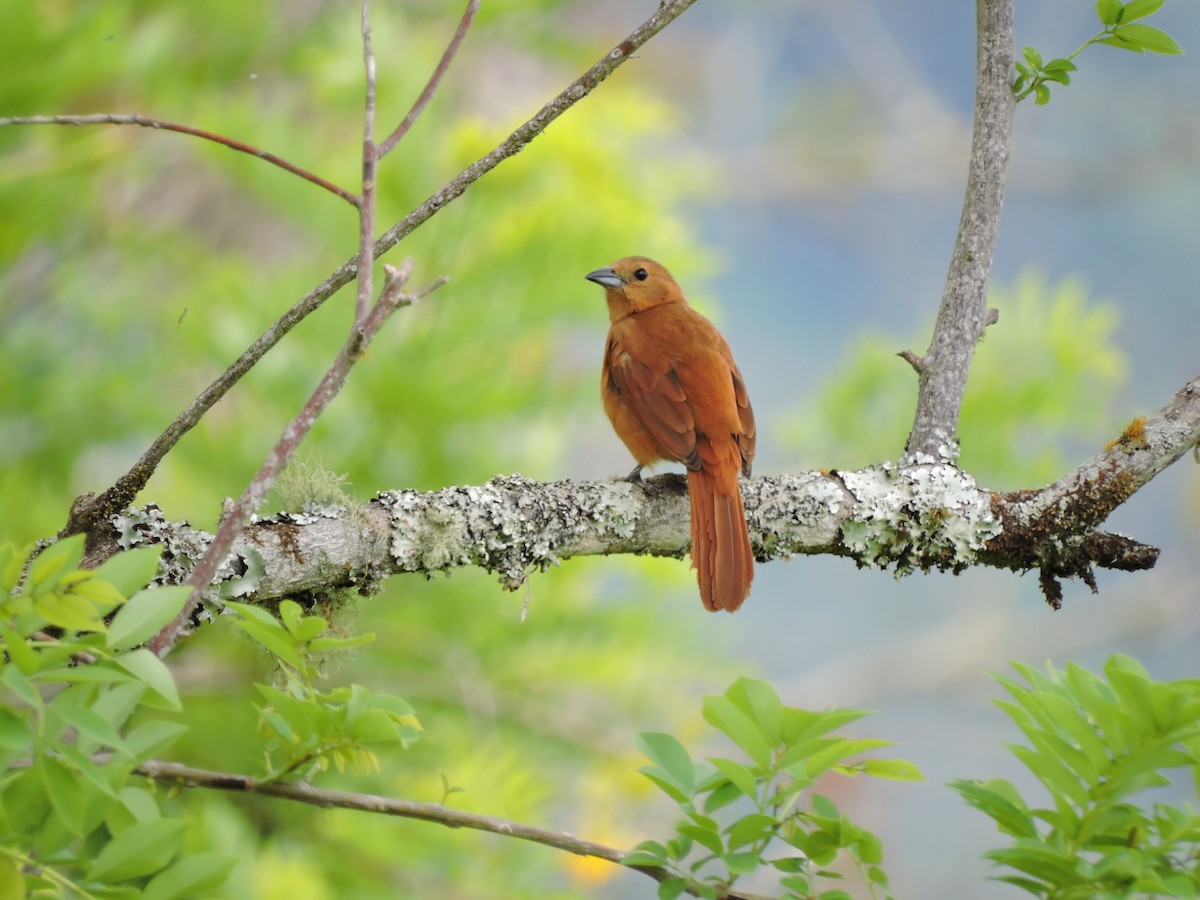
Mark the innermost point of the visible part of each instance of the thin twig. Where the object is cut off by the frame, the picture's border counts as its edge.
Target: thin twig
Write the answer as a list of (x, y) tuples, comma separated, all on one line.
[(235, 518), (87, 512), (434, 80), (159, 124), (963, 315), (370, 157), (302, 792)]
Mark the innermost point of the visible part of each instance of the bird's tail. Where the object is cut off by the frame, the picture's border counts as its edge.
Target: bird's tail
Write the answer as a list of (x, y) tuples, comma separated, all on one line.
[(721, 553)]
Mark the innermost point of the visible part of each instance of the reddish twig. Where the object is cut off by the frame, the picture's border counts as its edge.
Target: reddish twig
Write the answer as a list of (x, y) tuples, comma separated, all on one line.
[(147, 122), (434, 80), (232, 523), (370, 158)]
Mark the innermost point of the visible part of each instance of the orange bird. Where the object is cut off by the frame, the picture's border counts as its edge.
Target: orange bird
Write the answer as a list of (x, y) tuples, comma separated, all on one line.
[(672, 391)]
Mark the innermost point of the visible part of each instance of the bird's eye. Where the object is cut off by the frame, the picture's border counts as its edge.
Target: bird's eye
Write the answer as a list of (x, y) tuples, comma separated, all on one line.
[(641, 274)]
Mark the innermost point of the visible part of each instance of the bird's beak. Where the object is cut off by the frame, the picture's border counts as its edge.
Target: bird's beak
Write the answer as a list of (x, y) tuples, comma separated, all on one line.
[(605, 276)]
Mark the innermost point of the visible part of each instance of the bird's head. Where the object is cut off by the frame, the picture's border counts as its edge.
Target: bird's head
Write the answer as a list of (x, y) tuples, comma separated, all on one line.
[(635, 283)]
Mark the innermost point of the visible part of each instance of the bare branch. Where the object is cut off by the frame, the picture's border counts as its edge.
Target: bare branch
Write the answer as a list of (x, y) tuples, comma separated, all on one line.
[(434, 80), (236, 517), (929, 516), (89, 511), (159, 124), (963, 315), (370, 158), (302, 792)]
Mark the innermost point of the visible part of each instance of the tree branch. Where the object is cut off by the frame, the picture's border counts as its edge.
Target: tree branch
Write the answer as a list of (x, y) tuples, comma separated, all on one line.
[(302, 792), (963, 314), (370, 159), (89, 510), (927, 516), (434, 80), (159, 124)]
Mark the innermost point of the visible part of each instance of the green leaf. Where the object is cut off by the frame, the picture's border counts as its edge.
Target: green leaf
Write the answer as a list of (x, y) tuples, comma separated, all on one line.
[(1147, 37), (895, 769), (151, 739), (59, 558), (69, 612), (262, 627), (1033, 57), (671, 757), (95, 731), (1041, 94), (131, 570), (1139, 9), (290, 613), (724, 795), (738, 774), (749, 829), (671, 888), (760, 702), (705, 837), (12, 882), (193, 876), (1113, 40), (741, 863), (152, 672), (337, 645), (11, 678), (1011, 818), (19, 651), (724, 715), (62, 787), (139, 850), (145, 614), (11, 562), (374, 725), (15, 733), (1109, 11), (1059, 65), (653, 851), (103, 595)]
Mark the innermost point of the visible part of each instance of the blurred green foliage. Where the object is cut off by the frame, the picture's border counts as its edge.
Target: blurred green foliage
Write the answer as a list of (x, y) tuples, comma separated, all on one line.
[(1034, 400), (135, 265)]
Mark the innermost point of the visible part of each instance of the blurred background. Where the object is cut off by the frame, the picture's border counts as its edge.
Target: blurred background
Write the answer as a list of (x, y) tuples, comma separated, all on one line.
[(799, 167)]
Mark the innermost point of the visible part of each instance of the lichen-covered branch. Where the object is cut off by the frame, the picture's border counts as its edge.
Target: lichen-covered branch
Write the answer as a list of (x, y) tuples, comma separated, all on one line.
[(925, 516), (963, 314)]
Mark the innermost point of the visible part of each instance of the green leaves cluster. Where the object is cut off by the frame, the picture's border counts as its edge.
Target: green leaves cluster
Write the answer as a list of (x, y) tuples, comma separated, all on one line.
[(788, 827), (1121, 29), (1097, 745), (308, 729), (79, 697)]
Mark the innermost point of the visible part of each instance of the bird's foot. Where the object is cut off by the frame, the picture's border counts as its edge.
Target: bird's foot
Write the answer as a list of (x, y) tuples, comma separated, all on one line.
[(634, 477)]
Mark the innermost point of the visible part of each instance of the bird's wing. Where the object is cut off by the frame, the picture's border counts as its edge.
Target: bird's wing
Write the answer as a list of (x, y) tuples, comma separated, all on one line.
[(746, 440), (657, 398)]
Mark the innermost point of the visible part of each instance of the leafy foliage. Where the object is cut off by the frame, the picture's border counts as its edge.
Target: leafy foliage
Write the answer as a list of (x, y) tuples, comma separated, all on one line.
[(80, 711), (1097, 745), (798, 832), (307, 728), (1121, 29)]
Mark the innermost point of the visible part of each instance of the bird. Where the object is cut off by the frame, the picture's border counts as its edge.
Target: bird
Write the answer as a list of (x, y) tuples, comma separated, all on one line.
[(673, 392)]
